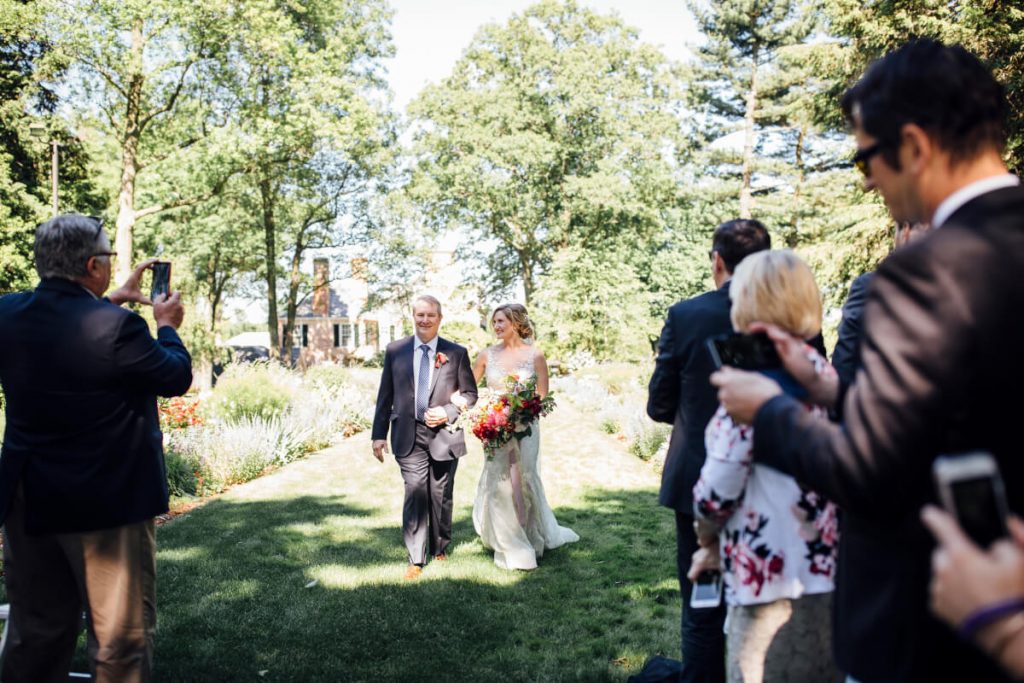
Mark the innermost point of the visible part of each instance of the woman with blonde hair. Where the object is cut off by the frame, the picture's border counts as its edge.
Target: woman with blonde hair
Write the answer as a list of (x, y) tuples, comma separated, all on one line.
[(774, 539), (511, 513)]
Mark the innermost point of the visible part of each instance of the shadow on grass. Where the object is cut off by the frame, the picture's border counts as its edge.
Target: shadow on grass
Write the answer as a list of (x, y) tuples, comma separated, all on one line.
[(233, 600)]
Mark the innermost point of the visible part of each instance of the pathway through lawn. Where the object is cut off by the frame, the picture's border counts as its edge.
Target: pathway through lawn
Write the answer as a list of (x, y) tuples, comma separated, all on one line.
[(298, 577)]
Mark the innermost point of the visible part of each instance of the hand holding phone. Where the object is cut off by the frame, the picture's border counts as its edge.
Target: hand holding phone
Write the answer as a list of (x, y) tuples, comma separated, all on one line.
[(744, 351), (971, 489), (161, 279), (707, 590)]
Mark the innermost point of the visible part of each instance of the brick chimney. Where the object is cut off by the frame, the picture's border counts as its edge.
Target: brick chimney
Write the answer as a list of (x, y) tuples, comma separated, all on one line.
[(359, 266), (321, 288)]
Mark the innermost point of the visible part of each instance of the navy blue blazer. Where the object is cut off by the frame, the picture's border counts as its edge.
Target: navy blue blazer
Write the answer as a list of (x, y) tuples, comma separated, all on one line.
[(680, 391), (81, 377)]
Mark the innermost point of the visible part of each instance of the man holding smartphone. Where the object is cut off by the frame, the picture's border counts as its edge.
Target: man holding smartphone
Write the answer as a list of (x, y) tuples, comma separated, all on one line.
[(82, 473), (680, 394), (942, 340)]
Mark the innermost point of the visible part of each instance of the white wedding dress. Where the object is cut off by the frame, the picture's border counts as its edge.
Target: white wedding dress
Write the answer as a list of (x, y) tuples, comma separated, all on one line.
[(511, 512)]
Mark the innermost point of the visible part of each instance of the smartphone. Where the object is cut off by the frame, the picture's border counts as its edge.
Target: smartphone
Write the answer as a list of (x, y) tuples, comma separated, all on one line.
[(971, 489), (161, 279), (744, 351), (707, 590)]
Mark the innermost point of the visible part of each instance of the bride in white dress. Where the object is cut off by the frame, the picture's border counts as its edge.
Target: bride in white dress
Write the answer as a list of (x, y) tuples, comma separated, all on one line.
[(511, 512)]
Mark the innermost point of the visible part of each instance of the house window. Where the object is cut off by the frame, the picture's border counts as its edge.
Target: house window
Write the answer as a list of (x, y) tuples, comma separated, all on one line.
[(355, 331), (337, 334), (305, 336), (346, 335), (391, 333)]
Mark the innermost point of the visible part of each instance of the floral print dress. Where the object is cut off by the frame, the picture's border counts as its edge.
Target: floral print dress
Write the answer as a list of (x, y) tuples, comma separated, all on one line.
[(778, 539)]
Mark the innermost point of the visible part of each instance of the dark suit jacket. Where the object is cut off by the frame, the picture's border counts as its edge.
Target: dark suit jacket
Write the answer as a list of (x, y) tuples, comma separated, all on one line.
[(846, 355), (941, 373), (81, 377), (680, 392), (396, 398)]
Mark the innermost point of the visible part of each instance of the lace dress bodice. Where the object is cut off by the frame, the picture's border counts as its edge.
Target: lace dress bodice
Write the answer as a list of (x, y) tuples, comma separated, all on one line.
[(501, 364)]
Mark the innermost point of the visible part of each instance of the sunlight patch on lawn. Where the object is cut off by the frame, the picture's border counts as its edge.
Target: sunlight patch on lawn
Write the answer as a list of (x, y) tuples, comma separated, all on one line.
[(233, 589), (466, 569), (180, 554)]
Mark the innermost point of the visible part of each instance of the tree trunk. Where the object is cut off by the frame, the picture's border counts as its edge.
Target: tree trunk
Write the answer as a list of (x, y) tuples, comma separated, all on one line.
[(292, 305), (270, 259), (793, 238), (123, 243), (746, 198), (528, 284)]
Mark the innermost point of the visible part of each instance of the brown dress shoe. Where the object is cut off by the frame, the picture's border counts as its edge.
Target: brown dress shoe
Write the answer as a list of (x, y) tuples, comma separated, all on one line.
[(413, 572)]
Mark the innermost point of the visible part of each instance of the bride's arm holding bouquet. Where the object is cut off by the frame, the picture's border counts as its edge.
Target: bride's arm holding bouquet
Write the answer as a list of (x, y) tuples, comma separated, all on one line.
[(466, 396)]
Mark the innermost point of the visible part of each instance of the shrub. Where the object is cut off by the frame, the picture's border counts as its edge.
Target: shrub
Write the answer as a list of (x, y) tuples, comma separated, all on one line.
[(646, 436), (181, 478), (257, 390), (473, 337), (327, 375), (609, 426)]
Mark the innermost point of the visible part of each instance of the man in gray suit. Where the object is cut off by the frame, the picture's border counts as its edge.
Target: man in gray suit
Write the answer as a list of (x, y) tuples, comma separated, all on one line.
[(420, 374)]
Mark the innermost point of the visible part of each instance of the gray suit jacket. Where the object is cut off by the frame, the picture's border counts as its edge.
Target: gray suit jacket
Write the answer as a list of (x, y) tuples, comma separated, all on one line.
[(396, 398)]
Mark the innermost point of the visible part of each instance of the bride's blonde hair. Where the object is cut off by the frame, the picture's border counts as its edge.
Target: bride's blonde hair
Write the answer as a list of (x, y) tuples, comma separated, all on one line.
[(520, 319)]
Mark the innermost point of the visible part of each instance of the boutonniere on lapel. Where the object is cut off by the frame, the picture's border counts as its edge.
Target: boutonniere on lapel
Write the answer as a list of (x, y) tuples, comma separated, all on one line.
[(440, 360)]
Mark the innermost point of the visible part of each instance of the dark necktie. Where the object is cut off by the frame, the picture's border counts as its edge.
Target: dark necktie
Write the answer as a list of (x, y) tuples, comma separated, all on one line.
[(423, 383)]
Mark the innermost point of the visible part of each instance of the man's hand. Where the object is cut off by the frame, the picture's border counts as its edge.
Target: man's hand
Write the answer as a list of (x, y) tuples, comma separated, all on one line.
[(966, 578), (822, 390), (743, 393), (131, 289), (380, 447), (167, 310), (435, 417)]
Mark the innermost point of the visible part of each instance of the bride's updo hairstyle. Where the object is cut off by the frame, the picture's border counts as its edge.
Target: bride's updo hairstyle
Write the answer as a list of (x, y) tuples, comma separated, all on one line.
[(776, 287), (520, 319)]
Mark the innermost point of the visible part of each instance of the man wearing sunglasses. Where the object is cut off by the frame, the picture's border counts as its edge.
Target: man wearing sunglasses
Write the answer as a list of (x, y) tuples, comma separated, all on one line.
[(940, 369), (82, 473)]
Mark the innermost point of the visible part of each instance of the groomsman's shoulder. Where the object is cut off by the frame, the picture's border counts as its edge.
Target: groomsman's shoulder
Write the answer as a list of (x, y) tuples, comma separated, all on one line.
[(714, 299)]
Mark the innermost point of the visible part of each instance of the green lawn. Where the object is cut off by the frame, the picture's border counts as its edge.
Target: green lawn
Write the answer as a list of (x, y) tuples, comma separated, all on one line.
[(237, 599)]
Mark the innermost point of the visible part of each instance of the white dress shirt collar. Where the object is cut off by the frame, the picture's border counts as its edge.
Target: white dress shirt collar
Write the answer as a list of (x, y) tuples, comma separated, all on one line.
[(965, 194), (417, 343)]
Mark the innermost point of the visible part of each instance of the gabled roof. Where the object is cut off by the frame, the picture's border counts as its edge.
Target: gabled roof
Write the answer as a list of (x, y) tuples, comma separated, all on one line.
[(338, 308)]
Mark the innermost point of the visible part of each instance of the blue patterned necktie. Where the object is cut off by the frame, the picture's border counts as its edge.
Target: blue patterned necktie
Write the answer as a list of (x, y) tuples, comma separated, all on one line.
[(423, 383)]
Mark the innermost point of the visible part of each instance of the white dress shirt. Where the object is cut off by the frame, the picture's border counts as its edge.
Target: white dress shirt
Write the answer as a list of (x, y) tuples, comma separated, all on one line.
[(417, 357), (965, 194)]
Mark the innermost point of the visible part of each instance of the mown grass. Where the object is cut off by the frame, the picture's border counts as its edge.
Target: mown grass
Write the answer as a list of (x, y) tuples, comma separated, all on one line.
[(297, 577)]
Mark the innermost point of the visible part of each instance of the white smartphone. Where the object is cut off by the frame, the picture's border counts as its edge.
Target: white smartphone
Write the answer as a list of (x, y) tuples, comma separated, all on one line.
[(971, 489), (707, 590)]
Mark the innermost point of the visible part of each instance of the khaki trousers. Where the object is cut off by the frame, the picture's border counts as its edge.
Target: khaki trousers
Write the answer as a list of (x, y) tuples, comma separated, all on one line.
[(111, 573)]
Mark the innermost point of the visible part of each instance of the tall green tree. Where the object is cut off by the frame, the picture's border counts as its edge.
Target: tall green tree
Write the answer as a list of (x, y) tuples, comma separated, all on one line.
[(991, 29), (29, 100), (557, 129), (735, 65), (142, 65), (305, 89)]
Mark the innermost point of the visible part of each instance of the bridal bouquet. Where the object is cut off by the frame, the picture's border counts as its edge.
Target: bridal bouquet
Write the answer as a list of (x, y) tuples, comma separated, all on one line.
[(500, 416)]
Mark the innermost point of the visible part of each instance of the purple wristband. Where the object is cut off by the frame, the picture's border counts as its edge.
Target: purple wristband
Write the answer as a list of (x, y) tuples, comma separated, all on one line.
[(983, 616)]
